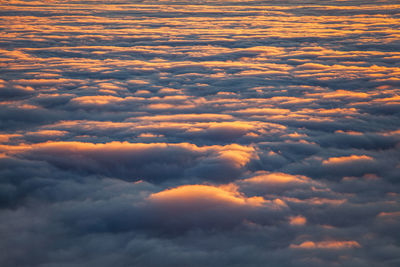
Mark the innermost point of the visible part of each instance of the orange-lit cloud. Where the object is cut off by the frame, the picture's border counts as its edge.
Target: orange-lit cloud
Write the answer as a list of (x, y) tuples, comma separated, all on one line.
[(276, 179), (200, 197), (181, 133), (347, 159), (297, 220), (329, 245), (276, 182)]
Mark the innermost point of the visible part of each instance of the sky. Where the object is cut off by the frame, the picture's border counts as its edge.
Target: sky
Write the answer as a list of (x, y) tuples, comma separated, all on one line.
[(200, 133)]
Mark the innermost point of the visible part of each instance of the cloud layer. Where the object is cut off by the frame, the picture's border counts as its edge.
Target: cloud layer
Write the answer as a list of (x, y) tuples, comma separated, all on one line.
[(199, 133)]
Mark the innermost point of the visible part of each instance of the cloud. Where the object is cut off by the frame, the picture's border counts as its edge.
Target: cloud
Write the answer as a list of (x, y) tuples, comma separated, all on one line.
[(206, 206), (10, 90), (157, 162), (201, 197), (220, 133), (327, 245), (347, 159), (298, 220), (266, 182)]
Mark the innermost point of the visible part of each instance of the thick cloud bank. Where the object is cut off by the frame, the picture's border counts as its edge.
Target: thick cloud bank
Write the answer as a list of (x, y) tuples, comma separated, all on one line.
[(200, 133)]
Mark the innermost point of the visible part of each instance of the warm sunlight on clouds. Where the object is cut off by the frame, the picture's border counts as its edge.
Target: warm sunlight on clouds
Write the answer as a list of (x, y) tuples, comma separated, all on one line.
[(297, 220), (199, 133), (327, 245), (200, 197), (276, 178), (347, 159)]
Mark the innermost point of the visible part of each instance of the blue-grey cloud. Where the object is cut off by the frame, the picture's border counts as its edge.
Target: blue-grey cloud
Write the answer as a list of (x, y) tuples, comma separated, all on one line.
[(205, 133)]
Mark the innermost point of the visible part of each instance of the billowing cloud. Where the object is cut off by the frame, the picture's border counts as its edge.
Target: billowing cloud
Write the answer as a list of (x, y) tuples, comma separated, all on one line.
[(156, 162), (205, 205), (203, 197), (199, 133), (265, 182)]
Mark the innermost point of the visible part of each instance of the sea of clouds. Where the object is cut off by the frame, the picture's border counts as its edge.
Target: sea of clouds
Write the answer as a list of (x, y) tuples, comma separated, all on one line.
[(200, 133)]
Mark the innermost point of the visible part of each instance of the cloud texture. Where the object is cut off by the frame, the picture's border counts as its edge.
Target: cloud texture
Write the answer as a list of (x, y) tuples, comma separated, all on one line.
[(199, 133)]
